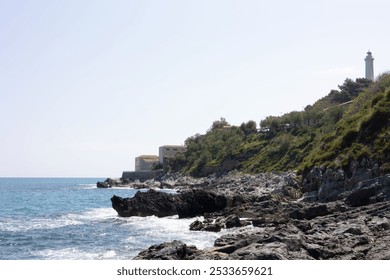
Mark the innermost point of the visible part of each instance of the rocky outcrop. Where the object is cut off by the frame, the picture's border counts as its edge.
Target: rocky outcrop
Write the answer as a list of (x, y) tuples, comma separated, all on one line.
[(216, 225), (233, 193), (175, 250), (189, 203), (146, 204), (354, 233), (361, 183), (109, 183), (127, 183), (332, 214)]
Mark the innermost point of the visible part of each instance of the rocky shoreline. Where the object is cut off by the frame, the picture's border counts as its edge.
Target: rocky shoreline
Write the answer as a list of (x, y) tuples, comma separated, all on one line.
[(328, 214)]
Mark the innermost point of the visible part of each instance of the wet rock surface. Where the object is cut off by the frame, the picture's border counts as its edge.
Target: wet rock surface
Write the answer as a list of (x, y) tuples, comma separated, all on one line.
[(328, 214)]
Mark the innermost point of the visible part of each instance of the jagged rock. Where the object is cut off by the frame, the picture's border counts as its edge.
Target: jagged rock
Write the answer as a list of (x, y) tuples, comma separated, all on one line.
[(185, 204), (146, 204), (361, 196), (312, 180), (327, 184), (168, 184), (330, 191), (336, 218), (103, 185), (380, 250), (197, 202), (379, 224), (109, 183), (175, 250), (214, 227), (207, 225), (309, 212), (369, 191), (197, 225), (232, 221), (351, 233), (269, 220)]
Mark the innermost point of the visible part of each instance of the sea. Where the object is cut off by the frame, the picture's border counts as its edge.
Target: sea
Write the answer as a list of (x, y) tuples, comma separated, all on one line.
[(72, 219)]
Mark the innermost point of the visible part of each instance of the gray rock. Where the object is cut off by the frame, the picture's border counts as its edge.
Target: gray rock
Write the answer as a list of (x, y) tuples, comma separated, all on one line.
[(341, 215), (197, 225), (185, 204), (232, 221), (103, 185), (175, 250)]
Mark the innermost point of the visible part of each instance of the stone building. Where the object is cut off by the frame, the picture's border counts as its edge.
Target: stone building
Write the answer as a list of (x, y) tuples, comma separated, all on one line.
[(145, 162), (170, 151)]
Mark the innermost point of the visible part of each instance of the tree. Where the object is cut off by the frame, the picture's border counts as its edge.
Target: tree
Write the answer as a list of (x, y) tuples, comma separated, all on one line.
[(274, 124), (350, 89), (295, 118), (249, 127), (219, 124)]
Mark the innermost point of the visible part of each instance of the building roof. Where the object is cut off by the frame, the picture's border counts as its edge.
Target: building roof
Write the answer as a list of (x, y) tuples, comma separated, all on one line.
[(172, 146), (148, 157)]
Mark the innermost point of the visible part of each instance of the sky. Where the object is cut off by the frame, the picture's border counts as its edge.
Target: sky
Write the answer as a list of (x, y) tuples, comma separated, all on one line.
[(88, 85)]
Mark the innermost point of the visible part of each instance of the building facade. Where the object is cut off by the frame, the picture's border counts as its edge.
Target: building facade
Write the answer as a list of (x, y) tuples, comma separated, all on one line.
[(170, 151), (146, 162)]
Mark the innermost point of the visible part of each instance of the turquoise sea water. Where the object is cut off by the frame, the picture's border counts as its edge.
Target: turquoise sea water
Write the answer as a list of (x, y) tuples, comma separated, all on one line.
[(69, 218)]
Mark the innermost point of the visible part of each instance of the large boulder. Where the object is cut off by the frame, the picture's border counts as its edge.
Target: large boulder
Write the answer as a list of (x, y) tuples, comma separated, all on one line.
[(144, 204), (189, 203), (197, 202), (103, 185), (175, 250)]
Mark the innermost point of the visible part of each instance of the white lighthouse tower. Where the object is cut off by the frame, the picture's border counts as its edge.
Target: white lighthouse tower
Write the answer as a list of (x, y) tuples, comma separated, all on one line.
[(369, 66)]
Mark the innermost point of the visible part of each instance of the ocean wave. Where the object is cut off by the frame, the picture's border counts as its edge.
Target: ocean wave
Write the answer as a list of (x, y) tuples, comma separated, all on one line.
[(19, 225), (152, 230), (70, 219), (87, 186), (94, 214), (76, 254), (99, 233)]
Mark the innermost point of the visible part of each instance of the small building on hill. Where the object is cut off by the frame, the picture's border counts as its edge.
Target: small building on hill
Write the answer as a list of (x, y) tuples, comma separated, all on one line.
[(145, 162), (170, 151)]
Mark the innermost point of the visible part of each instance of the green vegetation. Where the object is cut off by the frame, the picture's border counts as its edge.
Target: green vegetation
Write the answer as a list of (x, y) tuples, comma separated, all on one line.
[(206, 153), (349, 123)]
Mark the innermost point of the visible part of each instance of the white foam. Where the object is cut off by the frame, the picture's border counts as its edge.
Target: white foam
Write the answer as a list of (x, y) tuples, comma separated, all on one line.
[(156, 230), (122, 188), (16, 225), (87, 186), (95, 214), (76, 254), (98, 214)]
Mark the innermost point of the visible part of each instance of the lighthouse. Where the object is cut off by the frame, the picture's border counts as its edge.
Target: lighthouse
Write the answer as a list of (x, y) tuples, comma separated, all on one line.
[(369, 66)]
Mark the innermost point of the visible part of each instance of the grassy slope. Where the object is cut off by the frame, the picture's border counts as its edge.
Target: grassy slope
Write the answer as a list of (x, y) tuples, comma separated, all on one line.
[(331, 132)]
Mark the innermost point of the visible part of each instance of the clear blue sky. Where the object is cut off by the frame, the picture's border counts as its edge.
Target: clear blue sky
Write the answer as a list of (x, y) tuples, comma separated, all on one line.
[(86, 85)]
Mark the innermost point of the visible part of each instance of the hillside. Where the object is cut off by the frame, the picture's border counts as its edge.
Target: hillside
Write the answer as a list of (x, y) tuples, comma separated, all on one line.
[(347, 124)]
